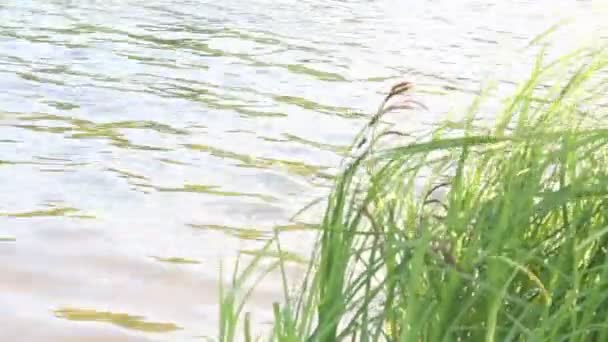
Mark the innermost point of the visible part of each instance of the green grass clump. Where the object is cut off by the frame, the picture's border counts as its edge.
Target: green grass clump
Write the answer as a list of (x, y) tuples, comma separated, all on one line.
[(474, 232)]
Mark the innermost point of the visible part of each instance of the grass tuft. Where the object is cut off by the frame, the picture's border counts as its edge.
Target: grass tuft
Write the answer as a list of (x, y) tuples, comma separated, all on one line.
[(477, 232)]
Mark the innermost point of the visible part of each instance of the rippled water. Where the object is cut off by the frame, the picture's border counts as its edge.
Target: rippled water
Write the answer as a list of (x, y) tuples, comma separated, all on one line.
[(140, 141)]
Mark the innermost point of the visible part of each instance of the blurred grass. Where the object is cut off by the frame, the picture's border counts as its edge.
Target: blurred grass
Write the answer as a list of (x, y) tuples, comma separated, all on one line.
[(494, 232)]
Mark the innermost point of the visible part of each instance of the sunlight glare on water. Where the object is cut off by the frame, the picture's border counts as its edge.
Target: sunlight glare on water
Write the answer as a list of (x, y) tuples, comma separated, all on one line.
[(140, 141)]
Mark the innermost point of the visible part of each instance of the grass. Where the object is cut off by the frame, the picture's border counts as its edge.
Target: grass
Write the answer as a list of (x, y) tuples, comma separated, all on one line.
[(477, 231)]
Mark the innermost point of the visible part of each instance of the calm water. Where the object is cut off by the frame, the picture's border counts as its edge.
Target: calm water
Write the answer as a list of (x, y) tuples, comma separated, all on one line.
[(142, 141)]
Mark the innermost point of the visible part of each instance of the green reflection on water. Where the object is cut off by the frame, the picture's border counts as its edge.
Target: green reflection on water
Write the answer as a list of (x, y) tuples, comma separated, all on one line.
[(317, 107), (284, 255), (342, 150), (213, 190), (120, 319), (297, 168), (127, 174), (322, 75), (85, 129), (62, 105), (35, 78), (238, 232), (171, 161), (297, 226), (42, 213), (175, 260), (153, 125)]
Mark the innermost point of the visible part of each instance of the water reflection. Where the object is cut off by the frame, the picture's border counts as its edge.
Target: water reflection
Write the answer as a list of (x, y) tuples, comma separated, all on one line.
[(51, 211), (175, 260), (142, 141), (238, 232), (286, 256), (120, 319)]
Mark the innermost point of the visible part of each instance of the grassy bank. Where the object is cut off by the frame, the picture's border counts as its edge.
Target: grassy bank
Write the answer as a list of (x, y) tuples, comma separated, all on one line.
[(477, 232)]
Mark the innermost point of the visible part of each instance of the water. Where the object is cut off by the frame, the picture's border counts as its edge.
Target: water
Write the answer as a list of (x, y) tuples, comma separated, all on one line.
[(142, 141)]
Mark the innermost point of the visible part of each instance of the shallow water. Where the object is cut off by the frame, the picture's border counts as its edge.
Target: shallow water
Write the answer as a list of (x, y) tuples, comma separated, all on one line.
[(142, 141)]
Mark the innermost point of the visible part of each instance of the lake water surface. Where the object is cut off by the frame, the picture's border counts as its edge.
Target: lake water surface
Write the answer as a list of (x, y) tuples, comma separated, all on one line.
[(143, 140)]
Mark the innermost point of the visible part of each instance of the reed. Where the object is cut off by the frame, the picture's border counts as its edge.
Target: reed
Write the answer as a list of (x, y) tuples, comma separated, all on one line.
[(476, 231)]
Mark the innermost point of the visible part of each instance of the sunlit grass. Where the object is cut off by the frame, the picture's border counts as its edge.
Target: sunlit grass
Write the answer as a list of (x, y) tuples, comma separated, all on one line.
[(495, 232)]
